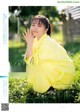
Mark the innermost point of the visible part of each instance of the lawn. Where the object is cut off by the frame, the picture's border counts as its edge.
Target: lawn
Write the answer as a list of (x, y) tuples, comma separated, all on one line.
[(16, 53), (17, 75), (58, 37)]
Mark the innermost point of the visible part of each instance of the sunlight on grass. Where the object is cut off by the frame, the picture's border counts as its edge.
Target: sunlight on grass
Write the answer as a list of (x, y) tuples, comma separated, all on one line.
[(58, 37), (76, 38), (14, 43), (17, 75)]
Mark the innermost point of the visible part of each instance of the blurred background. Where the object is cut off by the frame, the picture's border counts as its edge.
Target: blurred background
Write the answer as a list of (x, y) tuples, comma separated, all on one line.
[(65, 23)]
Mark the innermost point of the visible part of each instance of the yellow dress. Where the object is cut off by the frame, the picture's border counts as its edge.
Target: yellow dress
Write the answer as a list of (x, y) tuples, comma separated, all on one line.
[(49, 66)]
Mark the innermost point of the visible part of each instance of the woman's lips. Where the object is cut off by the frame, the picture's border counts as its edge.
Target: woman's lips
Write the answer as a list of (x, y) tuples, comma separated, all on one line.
[(35, 31)]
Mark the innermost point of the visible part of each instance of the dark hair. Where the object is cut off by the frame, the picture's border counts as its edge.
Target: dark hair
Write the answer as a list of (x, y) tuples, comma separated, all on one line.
[(44, 20)]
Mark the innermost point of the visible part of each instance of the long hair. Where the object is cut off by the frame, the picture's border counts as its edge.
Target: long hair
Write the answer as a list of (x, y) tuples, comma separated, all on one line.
[(49, 30), (43, 20)]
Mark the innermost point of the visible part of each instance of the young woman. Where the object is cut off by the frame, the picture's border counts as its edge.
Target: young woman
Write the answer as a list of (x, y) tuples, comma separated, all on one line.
[(48, 64)]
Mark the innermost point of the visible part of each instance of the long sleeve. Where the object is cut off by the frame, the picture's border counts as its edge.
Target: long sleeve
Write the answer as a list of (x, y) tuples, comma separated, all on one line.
[(33, 59)]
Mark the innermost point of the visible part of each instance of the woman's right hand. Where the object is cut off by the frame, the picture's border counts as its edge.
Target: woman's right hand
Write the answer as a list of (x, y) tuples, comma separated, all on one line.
[(29, 38)]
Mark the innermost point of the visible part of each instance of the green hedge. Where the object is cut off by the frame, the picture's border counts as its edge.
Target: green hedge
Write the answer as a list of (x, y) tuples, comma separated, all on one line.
[(21, 92)]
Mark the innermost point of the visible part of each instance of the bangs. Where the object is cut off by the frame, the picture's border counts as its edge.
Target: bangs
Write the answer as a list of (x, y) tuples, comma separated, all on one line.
[(41, 20), (37, 20)]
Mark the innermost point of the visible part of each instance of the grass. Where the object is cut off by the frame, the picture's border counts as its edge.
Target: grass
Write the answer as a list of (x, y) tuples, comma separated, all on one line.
[(58, 37), (17, 75), (16, 44), (16, 52)]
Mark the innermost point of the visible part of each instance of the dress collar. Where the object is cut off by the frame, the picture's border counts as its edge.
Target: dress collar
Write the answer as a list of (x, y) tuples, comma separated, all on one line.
[(38, 43), (41, 39)]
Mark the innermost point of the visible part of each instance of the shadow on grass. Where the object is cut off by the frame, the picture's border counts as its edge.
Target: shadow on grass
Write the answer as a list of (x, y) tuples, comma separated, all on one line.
[(16, 59)]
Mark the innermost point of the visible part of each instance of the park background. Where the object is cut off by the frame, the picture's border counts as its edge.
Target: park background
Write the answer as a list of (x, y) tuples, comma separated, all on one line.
[(65, 30)]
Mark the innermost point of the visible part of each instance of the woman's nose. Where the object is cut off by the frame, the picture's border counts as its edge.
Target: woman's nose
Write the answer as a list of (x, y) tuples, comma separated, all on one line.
[(35, 27)]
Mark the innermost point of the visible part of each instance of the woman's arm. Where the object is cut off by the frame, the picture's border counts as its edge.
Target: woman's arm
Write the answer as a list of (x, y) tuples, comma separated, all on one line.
[(29, 40), (28, 52)]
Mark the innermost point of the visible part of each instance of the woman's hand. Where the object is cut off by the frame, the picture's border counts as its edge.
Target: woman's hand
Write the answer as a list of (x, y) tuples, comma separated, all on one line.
[(29, 38)]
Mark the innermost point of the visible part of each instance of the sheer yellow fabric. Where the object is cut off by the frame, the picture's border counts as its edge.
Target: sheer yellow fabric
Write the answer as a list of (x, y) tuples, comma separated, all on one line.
[(49, 65)]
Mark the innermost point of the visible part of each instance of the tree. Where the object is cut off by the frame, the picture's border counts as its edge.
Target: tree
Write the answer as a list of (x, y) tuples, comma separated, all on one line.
[(26, 12), (50, 11)]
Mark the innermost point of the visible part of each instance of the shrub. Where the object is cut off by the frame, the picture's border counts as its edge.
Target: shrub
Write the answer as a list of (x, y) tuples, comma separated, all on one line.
[(51, 96), (77, 98), (21, 92), (17, 90)]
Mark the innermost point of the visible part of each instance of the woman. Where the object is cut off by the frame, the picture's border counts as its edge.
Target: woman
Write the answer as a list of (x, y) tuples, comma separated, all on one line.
[(48, 63)]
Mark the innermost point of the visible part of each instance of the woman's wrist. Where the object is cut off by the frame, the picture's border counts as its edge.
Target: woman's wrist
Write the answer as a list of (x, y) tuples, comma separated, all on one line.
[(29, 45), (29, 50)]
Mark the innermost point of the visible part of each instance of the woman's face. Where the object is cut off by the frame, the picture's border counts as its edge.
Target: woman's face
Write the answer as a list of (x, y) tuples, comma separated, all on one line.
[(38, 29)]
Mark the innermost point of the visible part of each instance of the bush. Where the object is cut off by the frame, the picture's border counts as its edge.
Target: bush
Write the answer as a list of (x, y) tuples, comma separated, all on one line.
[(21, 92), (52, 96), (17, 90), (77, 98)]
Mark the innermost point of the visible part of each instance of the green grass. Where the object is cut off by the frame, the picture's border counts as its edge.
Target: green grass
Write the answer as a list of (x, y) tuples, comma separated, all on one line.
[(16, 52), (17, 75), (16, 44), (58, 37)]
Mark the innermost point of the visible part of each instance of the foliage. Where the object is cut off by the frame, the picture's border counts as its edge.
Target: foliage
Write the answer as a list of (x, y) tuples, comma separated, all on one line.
[(12, 24), (21, 92), (12, 8), (73, 50), (50, 12), (17, 90), (27, 12), (51, 96), (77, 98)]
